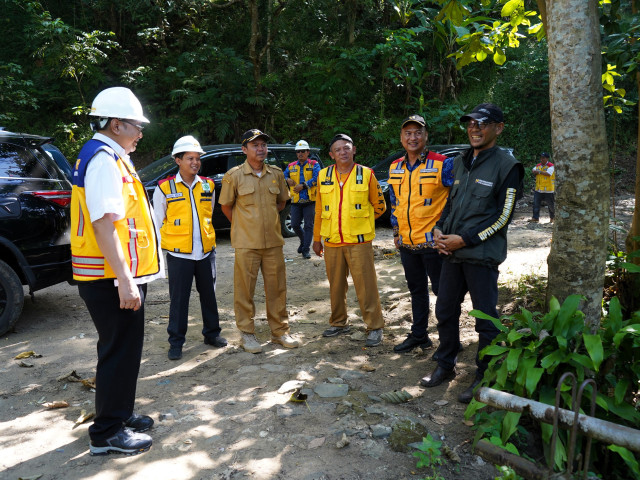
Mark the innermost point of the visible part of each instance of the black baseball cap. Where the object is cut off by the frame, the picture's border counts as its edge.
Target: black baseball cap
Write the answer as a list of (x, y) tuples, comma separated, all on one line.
[(414, 119), (340, 136), (485, 112), (252, 134), (545, 154)]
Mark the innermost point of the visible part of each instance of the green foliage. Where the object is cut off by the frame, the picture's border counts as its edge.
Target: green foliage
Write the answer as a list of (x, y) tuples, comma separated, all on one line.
[(15, 93), (429, 456), (533, 350)]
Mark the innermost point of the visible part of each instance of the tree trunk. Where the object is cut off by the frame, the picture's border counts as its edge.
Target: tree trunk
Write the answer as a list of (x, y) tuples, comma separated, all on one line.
[(578, 251), (253, 43), (632, 245)]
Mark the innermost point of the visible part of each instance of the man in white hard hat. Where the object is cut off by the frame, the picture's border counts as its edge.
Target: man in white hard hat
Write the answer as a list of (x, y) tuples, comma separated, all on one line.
[(302, 178), (115, 253), (184, 204), (251, 198)]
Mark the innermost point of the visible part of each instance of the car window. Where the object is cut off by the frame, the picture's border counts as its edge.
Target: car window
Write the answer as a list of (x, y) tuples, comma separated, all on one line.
[(17, 161), (217, 165), (272, 159), (159, 168), (287, 157)]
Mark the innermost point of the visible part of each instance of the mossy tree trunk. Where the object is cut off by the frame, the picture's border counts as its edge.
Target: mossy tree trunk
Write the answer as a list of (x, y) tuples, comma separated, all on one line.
[(578, 251)]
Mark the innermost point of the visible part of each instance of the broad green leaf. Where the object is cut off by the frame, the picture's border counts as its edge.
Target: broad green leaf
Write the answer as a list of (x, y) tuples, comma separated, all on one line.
[(551, 360), (501, 375), (615, 314), (617, 109), (509, 425), (593, 343), (554, 304), (629, 329), (533, 378), (628, 458), (621, 390), (512, 359), (499, 57), (583, 360), (631, 267), (481, 55), (535, 28), (513, 336), (484, 316), (568, 308), (494, 350), (511, 6), (525, 365)]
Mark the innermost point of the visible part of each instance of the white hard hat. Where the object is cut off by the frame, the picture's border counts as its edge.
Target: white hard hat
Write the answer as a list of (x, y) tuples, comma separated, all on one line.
[(302, 145), (186, 144), (117, 102)]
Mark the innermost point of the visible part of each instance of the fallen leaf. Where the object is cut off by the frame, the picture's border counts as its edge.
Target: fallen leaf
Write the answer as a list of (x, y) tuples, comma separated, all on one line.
[(56, 404), (297, 396), (28, 354), (89, 382), (441, 403), (84, 416), (468, 423), (70, 377), (366, 367), (343, 442)]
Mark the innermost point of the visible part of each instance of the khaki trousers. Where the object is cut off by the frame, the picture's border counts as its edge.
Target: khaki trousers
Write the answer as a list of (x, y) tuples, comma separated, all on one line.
[(245, 273), (357, 259)]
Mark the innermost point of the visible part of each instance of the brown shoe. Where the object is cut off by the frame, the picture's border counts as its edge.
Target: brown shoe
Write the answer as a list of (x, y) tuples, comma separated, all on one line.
[(286, 340), (534, 220)]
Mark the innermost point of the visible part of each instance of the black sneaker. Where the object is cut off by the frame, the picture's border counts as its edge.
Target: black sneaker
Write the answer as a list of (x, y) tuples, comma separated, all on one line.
[(175, 353), (306, 255), (125, 441), (217, 342), (300, 248), (412, 342), (139, 423), (333, 331)]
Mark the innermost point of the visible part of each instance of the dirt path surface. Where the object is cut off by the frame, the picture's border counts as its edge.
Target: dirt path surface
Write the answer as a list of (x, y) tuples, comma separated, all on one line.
[(219, 413)]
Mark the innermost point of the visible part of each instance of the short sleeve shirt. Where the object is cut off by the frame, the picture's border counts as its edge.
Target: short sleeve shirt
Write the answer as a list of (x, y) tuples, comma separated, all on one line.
[(256, 221)]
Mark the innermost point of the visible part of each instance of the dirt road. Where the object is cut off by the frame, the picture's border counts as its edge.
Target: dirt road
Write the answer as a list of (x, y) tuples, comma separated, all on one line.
[(218, 412)]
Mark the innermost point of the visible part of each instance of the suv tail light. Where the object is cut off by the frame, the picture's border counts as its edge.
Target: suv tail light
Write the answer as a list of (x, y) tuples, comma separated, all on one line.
[(60, 197)]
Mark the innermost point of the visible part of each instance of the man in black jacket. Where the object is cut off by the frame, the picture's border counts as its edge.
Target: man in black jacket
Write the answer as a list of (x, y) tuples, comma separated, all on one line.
[(472, 236)]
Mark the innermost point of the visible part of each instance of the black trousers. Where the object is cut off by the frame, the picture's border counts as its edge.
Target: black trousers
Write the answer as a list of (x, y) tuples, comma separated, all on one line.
[(120, 338), (549, 198), (299, 212), (420, 266), (456, 280), (181, 273)]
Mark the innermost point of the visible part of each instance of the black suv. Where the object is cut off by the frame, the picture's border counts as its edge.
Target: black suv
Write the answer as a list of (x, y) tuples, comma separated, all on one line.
[(381, 170), (34, 222), (216, 161)]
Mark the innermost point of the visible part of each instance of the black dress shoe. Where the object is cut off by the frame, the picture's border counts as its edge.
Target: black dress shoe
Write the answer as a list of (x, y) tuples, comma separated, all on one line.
[(412, 342), (139, 423), (306, 255), (217, 342), (467, 395), (438, 376)]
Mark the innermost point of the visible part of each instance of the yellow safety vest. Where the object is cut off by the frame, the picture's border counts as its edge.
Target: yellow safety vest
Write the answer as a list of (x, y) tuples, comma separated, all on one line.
[(420, 197), (545, 183), (294, 173), (135, 231), (347, 214), (176, 233)]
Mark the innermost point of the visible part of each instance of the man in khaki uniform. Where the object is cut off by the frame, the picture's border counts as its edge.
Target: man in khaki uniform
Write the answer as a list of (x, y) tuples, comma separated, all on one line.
[(252, 196), (349, 200)]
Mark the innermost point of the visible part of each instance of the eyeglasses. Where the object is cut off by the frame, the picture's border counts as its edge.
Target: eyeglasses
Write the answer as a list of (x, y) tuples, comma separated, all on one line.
[(481, 125), (139, 127)]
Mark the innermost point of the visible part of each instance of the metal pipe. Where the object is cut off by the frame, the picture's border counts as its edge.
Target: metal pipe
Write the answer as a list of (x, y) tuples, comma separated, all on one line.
[(601, 430)]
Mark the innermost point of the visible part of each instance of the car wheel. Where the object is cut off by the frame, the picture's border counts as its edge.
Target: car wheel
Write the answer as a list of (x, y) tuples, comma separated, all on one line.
[(11, 297), (285, 222)]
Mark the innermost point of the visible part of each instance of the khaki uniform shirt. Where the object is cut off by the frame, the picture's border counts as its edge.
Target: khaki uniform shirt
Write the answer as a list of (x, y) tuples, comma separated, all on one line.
[(256, 220)]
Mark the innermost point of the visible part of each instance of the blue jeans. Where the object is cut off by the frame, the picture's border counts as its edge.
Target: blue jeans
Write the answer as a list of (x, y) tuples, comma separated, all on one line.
[(456, 280), (420, 266), (306, 212)]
